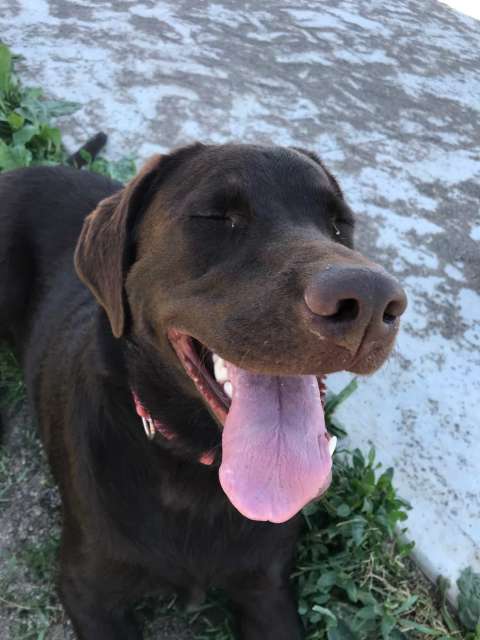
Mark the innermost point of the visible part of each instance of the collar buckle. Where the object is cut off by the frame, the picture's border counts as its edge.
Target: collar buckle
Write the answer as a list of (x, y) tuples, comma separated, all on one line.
[(148, 426)]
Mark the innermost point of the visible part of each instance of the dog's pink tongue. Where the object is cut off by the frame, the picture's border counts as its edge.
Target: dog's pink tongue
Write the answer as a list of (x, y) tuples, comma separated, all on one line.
[(275, 455)]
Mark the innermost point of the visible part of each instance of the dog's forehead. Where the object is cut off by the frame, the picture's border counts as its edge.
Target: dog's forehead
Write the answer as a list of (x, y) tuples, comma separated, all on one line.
[(237, 162), (248, 173)]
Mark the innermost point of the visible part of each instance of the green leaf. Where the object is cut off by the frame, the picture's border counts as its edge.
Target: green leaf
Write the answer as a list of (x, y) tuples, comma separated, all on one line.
[(358, 531), (386, 626), (341, 632), (32, 108), (335, 427), (352, 591), (122, 170), (5, 67), (15, 120), (57, 108), (335, 399), (326, 613), (443, 585), (421, 628), (327, 580), (406, 605), (25, 134), (469, 599), (343, 511), (358, 459), (367, 613), (367, 506), (367, 598), (50, 135), (13, 157)]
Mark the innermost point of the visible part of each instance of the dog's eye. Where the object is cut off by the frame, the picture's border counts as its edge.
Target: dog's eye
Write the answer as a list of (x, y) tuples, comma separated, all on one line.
[(231, 219), (341, 226), (342, 231)]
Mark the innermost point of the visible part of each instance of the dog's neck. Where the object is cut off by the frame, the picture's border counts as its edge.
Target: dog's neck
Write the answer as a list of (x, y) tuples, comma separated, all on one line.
[(182, 423), (153, 427)]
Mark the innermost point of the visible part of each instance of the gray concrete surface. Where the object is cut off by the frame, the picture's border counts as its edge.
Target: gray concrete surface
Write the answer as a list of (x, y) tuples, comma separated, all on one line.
[(388, 93)]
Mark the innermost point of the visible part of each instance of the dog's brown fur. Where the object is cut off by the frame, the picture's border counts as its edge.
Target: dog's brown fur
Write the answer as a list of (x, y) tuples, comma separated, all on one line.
[(220, 243)]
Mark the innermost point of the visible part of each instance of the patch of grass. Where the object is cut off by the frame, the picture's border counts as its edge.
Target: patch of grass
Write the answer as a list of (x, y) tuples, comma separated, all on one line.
[(33, 601), (40, 558), (12, 388), (28, 136), (469, 601), (29, 535), (353, 574), (122, 170)]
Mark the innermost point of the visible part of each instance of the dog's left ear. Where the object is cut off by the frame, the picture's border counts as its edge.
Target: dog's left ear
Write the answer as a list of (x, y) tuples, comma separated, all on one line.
[(102, 253)]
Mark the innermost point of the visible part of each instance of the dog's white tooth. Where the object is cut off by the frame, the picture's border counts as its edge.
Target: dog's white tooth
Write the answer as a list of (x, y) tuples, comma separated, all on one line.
[(228, 388), (332, 445), (215, 357), (220, 371)]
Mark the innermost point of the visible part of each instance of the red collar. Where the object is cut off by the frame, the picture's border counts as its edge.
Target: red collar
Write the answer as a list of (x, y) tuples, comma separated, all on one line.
[(153, 426)]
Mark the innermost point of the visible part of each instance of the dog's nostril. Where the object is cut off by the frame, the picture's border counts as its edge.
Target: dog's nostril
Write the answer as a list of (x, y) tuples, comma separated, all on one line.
[(388, 318), (394, 309), (346, 310)]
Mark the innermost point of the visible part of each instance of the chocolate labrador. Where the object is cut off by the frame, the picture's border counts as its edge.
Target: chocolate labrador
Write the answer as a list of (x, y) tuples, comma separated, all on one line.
[(173, 342)]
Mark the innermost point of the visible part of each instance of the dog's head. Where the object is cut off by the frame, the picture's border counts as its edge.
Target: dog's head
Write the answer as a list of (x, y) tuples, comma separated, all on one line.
[(235, 264)]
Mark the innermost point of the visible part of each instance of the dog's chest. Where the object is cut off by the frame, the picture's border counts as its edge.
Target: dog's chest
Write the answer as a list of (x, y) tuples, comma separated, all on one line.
[(203, 546)]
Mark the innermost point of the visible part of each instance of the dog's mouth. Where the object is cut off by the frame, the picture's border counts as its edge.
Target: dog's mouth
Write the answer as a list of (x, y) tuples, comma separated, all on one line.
[(207, 371), (276, 452)]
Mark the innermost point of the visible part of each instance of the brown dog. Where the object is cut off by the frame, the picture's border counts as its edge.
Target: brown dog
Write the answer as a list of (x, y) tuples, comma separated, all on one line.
[(224, 283)]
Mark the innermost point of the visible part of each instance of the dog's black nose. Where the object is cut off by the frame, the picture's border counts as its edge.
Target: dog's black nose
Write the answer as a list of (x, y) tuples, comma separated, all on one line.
[(349, 300)]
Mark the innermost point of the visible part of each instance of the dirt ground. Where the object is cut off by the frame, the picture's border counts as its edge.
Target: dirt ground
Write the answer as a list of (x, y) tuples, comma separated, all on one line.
[(29, 533)]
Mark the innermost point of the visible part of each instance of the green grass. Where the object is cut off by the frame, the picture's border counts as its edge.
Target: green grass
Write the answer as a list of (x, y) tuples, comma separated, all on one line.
[(28, 136), (27, 567), (12, 389), (38, 606), (353, 575), (34, 603)]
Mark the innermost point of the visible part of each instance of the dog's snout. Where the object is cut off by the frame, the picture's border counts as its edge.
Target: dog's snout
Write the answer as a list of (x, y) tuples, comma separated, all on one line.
[(348, 300)]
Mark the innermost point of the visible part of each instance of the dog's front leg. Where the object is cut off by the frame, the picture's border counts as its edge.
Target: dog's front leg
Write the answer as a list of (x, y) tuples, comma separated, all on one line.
[(267, 614), (97, 603)]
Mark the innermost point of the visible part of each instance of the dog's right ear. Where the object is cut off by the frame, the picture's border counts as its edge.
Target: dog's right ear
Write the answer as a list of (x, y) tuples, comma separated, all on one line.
[(102, 253), (313, 156)]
